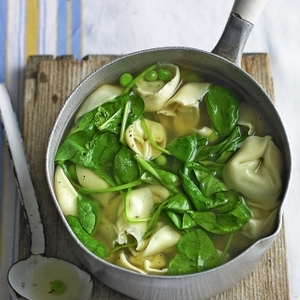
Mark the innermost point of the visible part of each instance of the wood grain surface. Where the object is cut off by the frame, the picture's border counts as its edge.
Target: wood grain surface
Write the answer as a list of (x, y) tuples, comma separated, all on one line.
[(48, 82)]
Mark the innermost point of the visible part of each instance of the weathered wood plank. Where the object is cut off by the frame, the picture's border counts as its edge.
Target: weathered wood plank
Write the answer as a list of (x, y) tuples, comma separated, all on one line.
[(48, 83), (258, 66)]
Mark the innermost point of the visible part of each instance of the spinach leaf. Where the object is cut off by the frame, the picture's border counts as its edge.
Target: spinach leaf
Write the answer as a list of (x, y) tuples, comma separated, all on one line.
[(108, 120), (73, 148), (176, 218), (125, 166), (183, 221), (234, 200), (89, 242), (222, 151), (217, 209), (225, 220), (195, 252), (173, 209), (187, 222), (208, 182), (88, 213), (179, 203), (137, 108), (87, 152), (194, 193), (201, 185), (70, 171), (147, 177), (109, 116), (186, 148), (216, 168), (85, 123), (102, 150), (176, 208), (222, 108), (169, 180), (230, 145)]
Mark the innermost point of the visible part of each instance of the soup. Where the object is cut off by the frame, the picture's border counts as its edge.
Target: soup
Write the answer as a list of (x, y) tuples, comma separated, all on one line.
[(167, 173)]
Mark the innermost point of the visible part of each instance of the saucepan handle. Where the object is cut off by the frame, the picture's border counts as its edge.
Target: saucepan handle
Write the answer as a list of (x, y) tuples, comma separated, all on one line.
[(248, 10), (237, 30)]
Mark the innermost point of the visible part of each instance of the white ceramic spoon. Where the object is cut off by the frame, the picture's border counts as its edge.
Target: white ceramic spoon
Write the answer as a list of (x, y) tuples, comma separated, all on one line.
[(37, 277)]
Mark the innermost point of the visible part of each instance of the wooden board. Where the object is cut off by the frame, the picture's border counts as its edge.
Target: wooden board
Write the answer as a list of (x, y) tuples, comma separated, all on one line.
[(48, 82)]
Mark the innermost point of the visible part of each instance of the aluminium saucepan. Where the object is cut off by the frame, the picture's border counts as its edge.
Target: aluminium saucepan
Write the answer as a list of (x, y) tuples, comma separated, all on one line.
[(222, 65)]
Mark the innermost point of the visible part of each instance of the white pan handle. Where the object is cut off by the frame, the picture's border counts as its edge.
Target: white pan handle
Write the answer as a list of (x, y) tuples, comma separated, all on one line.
[(22, 172), (249, 10)]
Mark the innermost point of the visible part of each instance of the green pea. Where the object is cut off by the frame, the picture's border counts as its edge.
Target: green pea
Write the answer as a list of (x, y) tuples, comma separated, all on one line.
[(164, 74), (160, 160), (151, 76), (125, 79), (58, 287), (192, 77)]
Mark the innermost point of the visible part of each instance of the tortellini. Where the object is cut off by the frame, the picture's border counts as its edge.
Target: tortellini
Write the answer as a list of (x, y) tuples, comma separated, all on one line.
[(250, 119), (107, 227), (110, 212), (149, 256), (108, 234), (181, 113), (155, 265), (261, 224), (206, 132), (139, 207), (255, 171), (65, 192), (98, 97), (152, 257), (122, 261), (137, 139), (89, 179), (167, 234), (156, 93), (159, 193)]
